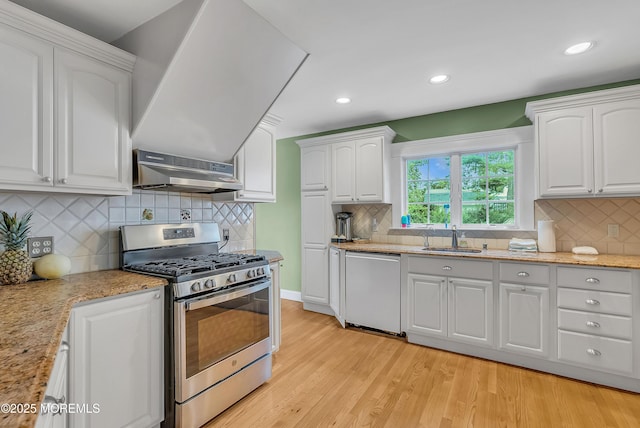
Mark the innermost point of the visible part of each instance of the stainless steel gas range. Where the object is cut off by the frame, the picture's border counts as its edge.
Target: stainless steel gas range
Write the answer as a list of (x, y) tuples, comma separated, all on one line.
[(217, 341)]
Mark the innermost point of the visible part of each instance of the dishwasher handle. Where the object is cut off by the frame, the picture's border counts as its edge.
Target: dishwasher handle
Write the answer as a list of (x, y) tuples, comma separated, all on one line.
[(374, 256)]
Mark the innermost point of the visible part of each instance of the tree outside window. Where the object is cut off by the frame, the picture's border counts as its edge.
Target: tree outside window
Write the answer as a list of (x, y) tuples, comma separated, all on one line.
[(429, 190)]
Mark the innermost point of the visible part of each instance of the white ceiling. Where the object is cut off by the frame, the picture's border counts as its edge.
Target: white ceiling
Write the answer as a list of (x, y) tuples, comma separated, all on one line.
[(381, 53)]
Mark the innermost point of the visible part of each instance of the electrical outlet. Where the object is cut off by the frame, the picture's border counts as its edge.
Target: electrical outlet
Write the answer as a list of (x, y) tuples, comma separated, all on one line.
[(613, 230), (225, 234), (40, 246)]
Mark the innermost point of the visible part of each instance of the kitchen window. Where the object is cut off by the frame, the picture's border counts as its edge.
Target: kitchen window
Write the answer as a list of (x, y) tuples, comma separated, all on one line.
[(475, 181)]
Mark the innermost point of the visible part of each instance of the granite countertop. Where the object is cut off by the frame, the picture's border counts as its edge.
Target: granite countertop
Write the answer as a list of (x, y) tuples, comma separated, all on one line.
[(33, 317), (602, 260)]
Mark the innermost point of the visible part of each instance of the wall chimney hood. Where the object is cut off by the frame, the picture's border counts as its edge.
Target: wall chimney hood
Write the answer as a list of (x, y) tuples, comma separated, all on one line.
[(206, 73)]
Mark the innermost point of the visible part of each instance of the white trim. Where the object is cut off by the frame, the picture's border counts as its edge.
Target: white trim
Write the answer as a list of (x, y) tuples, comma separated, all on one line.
[(54, 32), (585, 99), (291, 295), (519, 139), (381, 131)]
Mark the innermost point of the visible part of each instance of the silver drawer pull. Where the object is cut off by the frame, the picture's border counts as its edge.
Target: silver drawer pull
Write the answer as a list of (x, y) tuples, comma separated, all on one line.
[(592, 302), (593, 324), (592, 280), (523, 274), (447, 268), (594, 352), (50, 402)]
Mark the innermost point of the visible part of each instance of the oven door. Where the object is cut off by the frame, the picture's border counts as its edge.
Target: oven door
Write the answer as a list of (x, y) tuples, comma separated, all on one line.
[(218, 334)]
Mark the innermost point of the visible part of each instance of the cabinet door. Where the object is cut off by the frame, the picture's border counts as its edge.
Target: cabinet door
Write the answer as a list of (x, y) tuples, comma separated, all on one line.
[(565, 152), (616, 146), (26, 111), (524, 319), (275, 315), (343, 174), (369, 170), (334, 285), (315, 275), (93, 104), (427, 305), (116, 361), (256, 166), (471, 311), (314, 167)]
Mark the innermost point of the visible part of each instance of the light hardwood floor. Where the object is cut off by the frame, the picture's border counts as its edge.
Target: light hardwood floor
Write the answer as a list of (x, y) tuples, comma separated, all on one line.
[(324, 376)]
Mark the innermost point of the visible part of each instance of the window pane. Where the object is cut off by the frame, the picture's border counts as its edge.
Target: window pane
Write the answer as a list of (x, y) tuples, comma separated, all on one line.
[(474, 189), (500, 163), (439, 168), (419, 213), (438, 214), (502, 213), (501, 188), (474, 214), (473, 165), (416, 191), (418, 169), (440, 191)]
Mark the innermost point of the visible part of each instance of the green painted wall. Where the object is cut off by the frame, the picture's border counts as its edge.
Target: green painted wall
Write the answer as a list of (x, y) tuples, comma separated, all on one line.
[(278, 225)]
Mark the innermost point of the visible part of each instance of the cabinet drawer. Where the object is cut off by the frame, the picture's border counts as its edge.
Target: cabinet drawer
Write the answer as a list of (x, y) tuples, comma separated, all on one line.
[(594, 323), (525, 273), (451, 267), (594, 301), (595, 279), (598, 352)]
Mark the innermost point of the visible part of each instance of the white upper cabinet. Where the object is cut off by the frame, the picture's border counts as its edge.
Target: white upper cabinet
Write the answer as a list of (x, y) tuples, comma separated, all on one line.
[(314, 167), (255, 165), (26, 109), (65, 108), (588, 144), (94, 151)]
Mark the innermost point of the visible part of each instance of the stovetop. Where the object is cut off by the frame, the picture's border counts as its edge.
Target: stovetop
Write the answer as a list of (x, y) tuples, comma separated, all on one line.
[(206, 263)]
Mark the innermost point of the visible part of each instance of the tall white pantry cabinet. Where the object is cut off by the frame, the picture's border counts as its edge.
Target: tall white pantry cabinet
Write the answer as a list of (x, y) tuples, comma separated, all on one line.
[(345, 168), (65, 108)]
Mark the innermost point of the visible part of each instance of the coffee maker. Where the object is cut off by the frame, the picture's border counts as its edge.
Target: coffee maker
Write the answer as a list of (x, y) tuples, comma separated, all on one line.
[(343, 226)]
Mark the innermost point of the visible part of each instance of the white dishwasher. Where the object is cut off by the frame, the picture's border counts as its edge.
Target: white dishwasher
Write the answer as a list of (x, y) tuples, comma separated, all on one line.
[(373, 290)]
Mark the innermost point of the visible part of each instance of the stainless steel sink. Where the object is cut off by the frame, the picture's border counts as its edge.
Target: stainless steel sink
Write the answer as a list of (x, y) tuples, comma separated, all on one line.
[(452, 250)]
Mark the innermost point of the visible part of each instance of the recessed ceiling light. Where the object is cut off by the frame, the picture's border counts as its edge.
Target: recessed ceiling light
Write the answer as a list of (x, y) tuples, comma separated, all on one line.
[(440, 78), (343, 100), (578, 48)]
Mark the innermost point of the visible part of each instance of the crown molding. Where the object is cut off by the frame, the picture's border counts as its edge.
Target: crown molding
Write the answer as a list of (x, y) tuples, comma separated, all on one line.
[(379, 131)]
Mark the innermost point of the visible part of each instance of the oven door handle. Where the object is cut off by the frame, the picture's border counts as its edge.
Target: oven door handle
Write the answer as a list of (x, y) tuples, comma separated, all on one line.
[(198, 303)]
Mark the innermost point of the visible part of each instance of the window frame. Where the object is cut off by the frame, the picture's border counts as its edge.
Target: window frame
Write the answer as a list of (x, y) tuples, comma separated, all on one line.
[(520, 140)]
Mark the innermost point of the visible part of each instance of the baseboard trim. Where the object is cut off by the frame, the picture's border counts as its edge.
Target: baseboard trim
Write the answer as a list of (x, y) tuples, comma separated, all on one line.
[(291, 295)]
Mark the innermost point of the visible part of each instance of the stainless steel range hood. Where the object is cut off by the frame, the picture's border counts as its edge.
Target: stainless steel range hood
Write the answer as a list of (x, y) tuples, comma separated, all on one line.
[(206, 73), (154, 170)]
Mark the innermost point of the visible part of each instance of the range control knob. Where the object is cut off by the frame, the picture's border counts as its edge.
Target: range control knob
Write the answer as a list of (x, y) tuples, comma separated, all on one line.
[(196, 286), (209, 283), (232, 278), (261, 271), (251, 274)]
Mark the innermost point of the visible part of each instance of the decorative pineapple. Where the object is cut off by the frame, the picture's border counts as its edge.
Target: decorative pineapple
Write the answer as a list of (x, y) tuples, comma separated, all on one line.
[(15, 264)]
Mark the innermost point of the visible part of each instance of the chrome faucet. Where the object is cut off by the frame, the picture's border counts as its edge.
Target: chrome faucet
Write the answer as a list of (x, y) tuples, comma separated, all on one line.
[(426, 235), (454, 237)]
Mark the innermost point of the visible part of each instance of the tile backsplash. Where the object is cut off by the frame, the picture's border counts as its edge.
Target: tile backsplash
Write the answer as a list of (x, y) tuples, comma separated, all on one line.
[(578, 222), (85, 228)]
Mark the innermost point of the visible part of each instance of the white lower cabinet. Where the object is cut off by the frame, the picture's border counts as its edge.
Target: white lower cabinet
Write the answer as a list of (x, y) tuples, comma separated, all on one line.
[(336, 285), (276, 322), (460, 308), (524, 319), (116, 361), (52, 414)]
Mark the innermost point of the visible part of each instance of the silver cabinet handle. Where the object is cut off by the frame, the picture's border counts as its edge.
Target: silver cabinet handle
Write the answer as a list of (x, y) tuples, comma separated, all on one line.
[(599, 190), (592, 302), (523, 288), (593, 324), (49, 401), (592, 280), (46, 179), (156, 296), (63, 181), (447, 268), (64, 346), (590, 190), (523, 274), (594, 352)]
